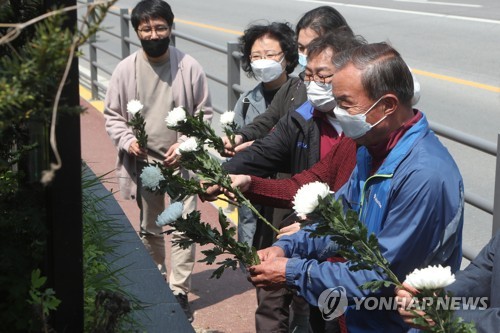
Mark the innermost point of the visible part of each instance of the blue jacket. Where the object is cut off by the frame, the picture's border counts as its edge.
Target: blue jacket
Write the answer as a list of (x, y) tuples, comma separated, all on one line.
[(414, 205)]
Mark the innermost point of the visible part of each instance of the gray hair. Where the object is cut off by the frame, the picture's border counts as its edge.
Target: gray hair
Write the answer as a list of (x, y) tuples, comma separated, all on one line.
[(383, 70)]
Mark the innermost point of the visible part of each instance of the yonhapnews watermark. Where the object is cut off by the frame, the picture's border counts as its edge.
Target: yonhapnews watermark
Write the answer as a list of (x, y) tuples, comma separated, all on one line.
[(333, 302)]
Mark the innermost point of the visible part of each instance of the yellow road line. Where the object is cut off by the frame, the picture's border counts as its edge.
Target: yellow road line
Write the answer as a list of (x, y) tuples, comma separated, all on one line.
[(457, 80), (211, 27), (100, 106), (87, 95), (416, 71)]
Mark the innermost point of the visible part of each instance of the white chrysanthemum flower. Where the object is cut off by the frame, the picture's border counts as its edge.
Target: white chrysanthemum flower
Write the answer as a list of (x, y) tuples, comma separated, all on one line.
[(134, 106), (175, 116), (305, 200), (151, 177), (432, 277), (171, 214), (227, 118), (191, 144)]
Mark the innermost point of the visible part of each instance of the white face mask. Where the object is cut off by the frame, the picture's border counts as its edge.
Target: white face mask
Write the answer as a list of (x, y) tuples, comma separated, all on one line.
[(267, 70), (302, 60), (355, 126), (321, 96)]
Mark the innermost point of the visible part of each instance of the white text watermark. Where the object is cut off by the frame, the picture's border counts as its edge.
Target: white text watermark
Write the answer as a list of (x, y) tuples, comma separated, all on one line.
[(333, 302)]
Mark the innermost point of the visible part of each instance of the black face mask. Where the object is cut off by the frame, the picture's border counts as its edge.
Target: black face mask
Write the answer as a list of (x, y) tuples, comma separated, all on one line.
[(155, 47)]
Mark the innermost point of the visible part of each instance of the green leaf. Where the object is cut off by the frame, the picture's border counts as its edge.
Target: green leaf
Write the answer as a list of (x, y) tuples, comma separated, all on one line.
[(37, 281)]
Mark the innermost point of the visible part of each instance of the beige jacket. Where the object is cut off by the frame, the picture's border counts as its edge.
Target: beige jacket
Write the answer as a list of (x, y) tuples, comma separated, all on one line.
[(189, 89)]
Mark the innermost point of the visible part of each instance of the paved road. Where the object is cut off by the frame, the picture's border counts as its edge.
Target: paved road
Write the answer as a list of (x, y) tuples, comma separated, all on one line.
[(452, 46)]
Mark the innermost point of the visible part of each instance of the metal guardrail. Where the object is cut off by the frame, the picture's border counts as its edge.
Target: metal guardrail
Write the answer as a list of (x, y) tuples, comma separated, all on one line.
[(232, 82), (234, 89)]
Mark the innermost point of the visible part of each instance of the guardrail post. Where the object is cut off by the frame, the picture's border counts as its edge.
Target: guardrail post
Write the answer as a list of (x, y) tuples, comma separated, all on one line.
[(233, 74), (172, 35), (93, 60), (496, 201), (124, 32)]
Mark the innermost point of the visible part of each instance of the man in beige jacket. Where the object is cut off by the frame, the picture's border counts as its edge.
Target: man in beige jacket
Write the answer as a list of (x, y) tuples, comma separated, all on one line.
[(161, 77)]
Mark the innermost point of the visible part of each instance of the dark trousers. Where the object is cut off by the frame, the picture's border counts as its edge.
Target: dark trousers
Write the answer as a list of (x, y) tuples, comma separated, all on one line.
[(273, 310), (319, 325)]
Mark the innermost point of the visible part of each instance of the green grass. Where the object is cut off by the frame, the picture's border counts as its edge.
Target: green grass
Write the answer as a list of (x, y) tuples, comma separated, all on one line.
[(106, 304)]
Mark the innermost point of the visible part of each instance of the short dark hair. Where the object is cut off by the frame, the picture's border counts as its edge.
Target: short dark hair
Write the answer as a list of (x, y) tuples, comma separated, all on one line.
[(383, 70), (322, 20), (282, 32), (339, 40), (146, 10)]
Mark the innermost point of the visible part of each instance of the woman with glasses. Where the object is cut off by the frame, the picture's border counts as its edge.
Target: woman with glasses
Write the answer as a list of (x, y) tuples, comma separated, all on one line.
[(312, 24), (269, 55)]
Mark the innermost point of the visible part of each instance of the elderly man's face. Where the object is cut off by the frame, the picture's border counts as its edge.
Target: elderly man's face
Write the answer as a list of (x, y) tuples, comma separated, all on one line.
[(351, 96)]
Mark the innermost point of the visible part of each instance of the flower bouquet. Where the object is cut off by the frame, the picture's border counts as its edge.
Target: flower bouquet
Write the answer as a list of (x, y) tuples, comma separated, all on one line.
[(202, 233), (228, 124), (179, 120), (433, 300), (194, 157), (137, 122), (314, 202)]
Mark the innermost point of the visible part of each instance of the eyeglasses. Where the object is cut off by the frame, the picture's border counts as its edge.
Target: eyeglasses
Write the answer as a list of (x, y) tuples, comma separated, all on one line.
[(161, 31), (267, 56), (319, 79)]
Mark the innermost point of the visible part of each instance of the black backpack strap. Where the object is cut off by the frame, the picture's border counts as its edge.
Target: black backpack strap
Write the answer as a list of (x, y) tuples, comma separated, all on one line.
[(246, 104)]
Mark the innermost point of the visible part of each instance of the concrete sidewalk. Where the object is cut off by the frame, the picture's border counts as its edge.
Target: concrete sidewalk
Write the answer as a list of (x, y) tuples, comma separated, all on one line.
[(220, 305)]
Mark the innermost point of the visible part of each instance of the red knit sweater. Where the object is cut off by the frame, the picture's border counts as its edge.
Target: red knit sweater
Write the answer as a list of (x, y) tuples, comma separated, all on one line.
[(334, 169)]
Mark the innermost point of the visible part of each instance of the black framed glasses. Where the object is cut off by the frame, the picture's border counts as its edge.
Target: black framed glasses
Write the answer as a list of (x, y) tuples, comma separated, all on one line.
[(319, 79), (161, 31)]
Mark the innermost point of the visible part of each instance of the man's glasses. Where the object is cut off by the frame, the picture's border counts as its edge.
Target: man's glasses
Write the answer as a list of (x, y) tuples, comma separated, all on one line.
[(319, 79), (147, 32)]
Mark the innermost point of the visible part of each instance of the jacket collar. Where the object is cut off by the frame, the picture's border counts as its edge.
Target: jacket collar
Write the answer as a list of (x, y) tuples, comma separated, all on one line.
[(398, 153)]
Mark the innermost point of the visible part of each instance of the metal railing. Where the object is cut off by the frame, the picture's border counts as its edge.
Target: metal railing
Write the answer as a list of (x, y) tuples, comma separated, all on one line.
[(98, 89), (232, 82)]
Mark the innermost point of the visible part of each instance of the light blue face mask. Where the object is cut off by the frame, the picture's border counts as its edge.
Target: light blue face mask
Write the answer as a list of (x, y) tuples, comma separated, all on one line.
[(302, 61)]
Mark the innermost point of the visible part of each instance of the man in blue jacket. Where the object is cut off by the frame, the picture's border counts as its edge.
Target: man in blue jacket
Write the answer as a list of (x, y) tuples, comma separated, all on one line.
[(405, 187)]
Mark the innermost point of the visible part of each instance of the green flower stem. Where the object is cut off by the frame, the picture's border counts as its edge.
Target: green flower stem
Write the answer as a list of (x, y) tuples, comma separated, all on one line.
[(231, 139), (436, 315), (228, 201), (376, 258), (225, 182), (246, 202)]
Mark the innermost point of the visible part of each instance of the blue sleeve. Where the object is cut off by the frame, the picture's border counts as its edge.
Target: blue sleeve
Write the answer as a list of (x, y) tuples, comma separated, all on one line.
[(301, 245), (311, 277), (419, 210)]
